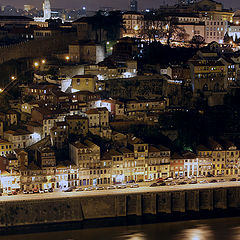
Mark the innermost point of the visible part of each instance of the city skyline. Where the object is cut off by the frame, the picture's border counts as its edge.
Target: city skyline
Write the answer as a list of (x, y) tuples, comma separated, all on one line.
[(94, 5)]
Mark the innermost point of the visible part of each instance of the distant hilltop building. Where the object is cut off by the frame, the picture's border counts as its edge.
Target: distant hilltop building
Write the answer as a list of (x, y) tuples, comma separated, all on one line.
[(133, 5), (28, 7), (186, 2), (46, 12), (47, 9)]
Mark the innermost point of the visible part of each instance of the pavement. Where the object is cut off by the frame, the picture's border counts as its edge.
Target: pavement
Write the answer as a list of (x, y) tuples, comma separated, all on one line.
[(144, 188)]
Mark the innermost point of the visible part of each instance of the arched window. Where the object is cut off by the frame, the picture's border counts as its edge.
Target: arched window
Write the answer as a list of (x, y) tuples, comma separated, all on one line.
[(216, 87), (205, 87)]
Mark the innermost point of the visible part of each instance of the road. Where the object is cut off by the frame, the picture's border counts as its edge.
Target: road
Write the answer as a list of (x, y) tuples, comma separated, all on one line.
[(141, 189)]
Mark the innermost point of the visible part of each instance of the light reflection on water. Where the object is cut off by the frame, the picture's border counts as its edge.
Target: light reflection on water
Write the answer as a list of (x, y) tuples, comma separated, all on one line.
[(212, 229), (201, 232), (133, 236)]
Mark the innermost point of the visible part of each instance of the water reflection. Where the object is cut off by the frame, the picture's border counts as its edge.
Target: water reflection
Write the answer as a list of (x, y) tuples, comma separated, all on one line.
[(212, 229), (236, 233), (200, 232), (133, 236)]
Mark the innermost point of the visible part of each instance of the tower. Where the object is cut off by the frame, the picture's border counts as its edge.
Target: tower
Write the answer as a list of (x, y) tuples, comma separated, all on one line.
[(134, 5), (47, 9)]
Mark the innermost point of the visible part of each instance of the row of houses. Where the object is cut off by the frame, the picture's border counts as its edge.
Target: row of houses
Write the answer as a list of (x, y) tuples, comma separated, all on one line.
[(136, 161)]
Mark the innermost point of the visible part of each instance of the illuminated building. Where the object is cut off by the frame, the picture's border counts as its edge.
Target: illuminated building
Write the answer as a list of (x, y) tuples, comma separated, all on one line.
[(46, 12), (215, 31), (204, 156), (84, 83), (20, 138), (133, 23), (5, 147)]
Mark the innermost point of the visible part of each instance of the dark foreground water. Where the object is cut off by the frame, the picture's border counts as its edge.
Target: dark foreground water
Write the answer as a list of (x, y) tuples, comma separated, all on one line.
[(212, 229)]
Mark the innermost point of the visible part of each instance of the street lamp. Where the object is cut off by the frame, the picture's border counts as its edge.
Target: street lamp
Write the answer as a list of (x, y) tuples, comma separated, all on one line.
[(13, 78), (36, 64), (67, 58), (43, 61)]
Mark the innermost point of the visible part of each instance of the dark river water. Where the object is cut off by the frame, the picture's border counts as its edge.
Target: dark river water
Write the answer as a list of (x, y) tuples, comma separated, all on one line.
[(211, 229)]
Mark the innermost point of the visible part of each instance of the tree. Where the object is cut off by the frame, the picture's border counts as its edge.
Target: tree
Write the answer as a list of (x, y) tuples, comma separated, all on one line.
[(161, 27), (106, 27), (197, 41), (175, 33), (153, 27), (227, 39)]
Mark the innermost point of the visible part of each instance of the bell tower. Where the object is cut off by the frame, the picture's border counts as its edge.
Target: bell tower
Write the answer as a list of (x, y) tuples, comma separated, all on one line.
[(47, 9)]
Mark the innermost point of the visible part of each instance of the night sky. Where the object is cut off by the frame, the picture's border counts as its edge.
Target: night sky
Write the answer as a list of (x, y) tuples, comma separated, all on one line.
[(95, 4)]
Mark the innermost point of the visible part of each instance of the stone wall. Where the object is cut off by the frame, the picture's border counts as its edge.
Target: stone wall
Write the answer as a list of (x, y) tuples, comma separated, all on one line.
[(77, 209), (36, 48)]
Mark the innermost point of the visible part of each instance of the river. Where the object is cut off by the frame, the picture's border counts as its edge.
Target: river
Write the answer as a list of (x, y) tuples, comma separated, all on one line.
[(211, 229)]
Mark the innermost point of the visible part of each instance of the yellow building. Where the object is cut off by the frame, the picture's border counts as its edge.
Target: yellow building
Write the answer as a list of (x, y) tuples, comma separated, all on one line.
[(5, 147), (204, 156), (218, 15), (218, 158), (158, 162), (84, 83)]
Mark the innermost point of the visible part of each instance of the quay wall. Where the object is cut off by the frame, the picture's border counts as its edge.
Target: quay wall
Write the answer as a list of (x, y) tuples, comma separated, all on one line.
[(78, 209)]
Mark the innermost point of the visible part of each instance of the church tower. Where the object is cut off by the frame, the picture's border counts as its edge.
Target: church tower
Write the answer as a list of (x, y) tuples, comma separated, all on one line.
[(47, 9)]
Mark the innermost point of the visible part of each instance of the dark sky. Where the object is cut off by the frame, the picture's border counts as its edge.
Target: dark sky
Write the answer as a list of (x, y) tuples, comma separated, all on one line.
[(95, 4)]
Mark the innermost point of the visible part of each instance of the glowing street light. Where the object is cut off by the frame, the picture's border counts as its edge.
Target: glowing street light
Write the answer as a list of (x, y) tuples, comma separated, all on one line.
[(36, 64), (13, 78), (43, 61), (67, 58), (136, 28)]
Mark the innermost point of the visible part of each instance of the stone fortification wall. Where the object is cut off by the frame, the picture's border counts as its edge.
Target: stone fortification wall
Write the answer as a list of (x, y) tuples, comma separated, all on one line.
[(72, 209)]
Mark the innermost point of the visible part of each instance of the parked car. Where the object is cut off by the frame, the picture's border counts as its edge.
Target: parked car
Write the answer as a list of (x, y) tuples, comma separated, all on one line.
[(50, 190), (159, 180), (46, 190), (122, 186), (35, 191), (171, 183), (88, 188), (210, 175), (79, 189), (25, 192), (14, 193), (31, 192), (41, 191), (140, 180), (99, 188), (131, 181), (153, 185), (182, 183), (134, 185), (221, 180), (193, 182), (68, 190), (9, 193), (162, 184), (203, 181), (213, 181), (168, 179), (233, 179), (111, 187)]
